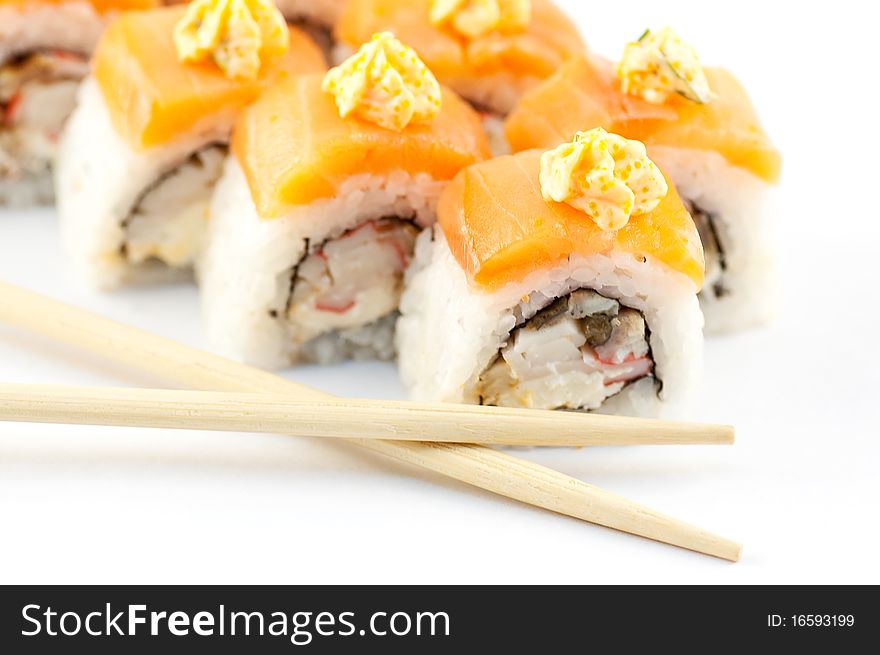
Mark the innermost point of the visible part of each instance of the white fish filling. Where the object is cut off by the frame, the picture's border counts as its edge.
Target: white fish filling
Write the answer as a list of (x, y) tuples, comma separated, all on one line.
[(351, 281), (574, 354), (37, 94), (169, 220)]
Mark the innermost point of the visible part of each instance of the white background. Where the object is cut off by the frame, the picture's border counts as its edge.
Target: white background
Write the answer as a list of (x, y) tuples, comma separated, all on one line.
[(799, 489)]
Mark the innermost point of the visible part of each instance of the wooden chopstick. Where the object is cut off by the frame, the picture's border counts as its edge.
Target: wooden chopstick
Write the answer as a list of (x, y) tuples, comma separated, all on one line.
[(367, 419), (479, 466)]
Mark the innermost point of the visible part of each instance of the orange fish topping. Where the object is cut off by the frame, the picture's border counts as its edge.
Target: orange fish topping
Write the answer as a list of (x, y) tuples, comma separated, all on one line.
[(586, 93), (500, 228), (101, 6), (153, 98), (535, 51), (294, 148)]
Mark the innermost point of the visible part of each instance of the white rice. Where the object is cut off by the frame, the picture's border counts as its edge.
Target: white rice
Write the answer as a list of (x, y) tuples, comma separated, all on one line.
[(99, 178), (742, 205), (449, 332), (245, 273)]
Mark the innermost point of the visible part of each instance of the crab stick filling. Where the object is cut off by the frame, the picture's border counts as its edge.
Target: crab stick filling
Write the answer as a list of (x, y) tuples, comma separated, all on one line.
[(574, 354), (353, 280), (37, 94)]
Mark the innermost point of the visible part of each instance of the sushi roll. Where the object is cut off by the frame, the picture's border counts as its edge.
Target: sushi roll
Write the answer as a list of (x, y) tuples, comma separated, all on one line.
[(701, 129), (44, 53), (489, 52), (562, 279), (141, 153), (314, 222)]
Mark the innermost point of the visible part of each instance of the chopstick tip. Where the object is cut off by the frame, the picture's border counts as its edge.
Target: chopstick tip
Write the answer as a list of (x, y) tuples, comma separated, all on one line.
[(736, 555), (729, 433)]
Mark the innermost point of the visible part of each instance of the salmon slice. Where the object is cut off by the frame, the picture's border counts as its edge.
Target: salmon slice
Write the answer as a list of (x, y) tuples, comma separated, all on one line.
[(500, 229), (294, 148), (586, 93), (100, 6), (549, 40), (153, 98)]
